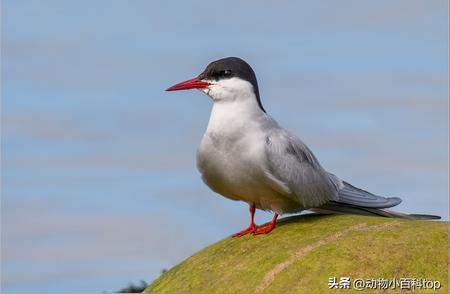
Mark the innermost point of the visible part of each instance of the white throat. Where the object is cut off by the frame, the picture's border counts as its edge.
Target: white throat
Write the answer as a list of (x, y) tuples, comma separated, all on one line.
[(235, 105), (228, 90)]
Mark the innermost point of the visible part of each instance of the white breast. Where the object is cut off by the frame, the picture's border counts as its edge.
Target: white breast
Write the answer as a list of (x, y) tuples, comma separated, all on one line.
[(231, 155), (231, 148)]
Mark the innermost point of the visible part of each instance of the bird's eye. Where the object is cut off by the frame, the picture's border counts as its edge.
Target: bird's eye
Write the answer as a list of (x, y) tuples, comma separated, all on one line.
[(225, 73)]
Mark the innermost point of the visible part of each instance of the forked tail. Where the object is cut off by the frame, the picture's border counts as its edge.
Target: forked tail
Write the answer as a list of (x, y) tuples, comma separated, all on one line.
[(333, 207)]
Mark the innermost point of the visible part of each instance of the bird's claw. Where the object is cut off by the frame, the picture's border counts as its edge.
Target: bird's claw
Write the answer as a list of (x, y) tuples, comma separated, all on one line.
[(264, 230), (250, 229)]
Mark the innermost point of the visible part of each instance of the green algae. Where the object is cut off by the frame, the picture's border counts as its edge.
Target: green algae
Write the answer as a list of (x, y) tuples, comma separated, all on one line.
[(336, 246)]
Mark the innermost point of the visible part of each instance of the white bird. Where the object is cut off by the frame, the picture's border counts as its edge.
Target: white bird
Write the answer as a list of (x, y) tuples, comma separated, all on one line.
[(246, 155)]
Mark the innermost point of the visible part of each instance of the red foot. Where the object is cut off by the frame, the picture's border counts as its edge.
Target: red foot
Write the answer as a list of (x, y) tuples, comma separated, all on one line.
[(248, 230), (252, 227), (267, 228), (264, 230)]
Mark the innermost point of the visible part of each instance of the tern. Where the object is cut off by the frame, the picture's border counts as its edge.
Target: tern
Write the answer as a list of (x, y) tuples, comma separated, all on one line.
[(246, 155)]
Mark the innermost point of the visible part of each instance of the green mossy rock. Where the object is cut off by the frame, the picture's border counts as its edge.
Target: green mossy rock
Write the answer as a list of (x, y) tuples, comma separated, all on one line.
[(303, 252)]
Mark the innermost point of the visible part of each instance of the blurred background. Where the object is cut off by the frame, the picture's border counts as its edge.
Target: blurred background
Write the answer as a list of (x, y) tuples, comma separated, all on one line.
[(99, 181)]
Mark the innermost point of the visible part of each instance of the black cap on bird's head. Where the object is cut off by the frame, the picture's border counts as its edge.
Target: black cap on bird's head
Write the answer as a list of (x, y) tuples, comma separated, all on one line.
[(230, 67), (225, 68)]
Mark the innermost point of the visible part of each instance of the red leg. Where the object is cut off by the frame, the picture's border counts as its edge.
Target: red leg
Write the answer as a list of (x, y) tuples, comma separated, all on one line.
[(267, 228), (252, 227)]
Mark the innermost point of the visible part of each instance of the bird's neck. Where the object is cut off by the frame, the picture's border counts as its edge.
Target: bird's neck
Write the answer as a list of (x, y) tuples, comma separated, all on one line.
[(230, 116)]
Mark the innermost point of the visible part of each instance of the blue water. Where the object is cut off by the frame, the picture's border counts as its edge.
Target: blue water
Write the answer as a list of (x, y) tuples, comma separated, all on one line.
[(98, 162)]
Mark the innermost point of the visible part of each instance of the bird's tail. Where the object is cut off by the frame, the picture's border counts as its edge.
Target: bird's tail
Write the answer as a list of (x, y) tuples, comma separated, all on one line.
[(333, 207)]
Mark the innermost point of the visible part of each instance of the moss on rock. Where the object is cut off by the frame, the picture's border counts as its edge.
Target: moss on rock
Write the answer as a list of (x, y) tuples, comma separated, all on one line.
[(303, 252)]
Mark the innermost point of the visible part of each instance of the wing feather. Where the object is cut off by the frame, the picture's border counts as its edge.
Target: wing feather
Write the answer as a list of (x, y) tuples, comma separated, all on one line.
[(352, 195), (290, 162)]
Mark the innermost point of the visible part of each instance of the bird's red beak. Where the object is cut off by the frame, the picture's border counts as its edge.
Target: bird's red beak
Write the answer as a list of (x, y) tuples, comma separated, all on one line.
[(194, 83)]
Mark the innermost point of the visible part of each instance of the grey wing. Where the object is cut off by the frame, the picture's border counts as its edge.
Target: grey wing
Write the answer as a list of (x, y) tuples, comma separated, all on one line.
[(352, 195), (294, 169)]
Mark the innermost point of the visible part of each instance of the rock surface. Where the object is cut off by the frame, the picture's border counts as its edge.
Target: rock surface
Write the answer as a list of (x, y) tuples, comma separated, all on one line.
[(304, 252)]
